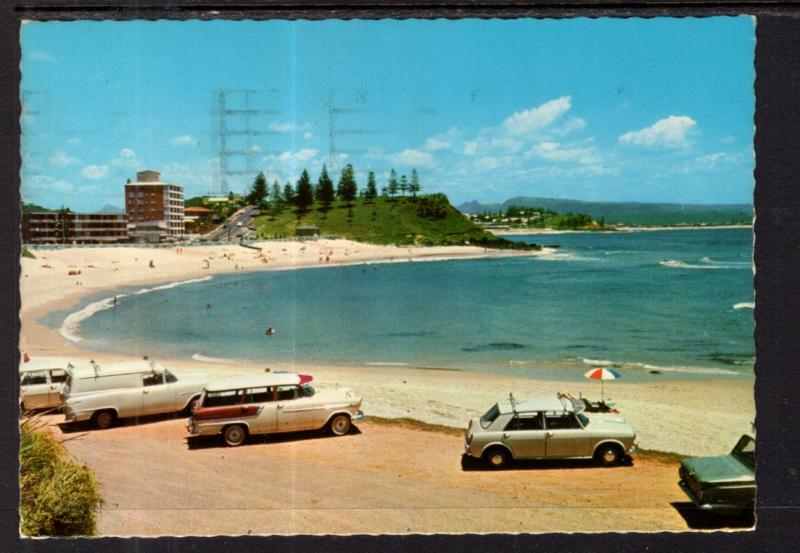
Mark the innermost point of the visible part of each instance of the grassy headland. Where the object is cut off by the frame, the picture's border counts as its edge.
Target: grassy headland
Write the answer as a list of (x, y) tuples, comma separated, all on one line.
[(427, 220)]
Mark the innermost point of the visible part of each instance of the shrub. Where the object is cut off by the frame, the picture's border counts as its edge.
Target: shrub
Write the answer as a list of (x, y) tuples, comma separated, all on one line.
[(27, 253), (58, 497)]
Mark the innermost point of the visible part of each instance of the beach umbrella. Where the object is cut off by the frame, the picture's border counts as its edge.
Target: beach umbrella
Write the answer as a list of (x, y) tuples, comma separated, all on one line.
[(602, 374)]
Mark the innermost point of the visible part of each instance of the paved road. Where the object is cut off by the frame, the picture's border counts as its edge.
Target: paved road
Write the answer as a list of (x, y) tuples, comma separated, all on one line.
[(233, 230), (378, 479)]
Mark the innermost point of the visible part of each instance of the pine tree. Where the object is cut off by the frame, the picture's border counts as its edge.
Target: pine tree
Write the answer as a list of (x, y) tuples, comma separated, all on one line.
[(325, 188), (288, 194), (258, 192), (305, 194), (372, 189), (347, 184), (403, 185), (393, 184), (415, 186), (277, 197)]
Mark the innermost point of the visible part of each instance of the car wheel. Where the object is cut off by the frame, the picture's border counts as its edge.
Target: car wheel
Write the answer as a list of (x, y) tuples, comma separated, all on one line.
[(339, 425), (609, 455), (496, 458), (104, 419), (234, 435)]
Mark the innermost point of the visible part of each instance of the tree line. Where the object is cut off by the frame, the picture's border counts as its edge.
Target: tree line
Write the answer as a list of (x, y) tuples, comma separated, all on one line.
[(303, 194)]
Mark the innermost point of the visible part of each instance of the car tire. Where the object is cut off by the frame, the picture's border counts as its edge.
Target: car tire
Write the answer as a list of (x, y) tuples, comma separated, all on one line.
[(339, 425), (608, 455), (104, 419), (234, 435), (496, 458)]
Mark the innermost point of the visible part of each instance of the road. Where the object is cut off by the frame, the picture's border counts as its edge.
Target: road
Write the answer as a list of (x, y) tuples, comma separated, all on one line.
[(381, 478), (233, 230)]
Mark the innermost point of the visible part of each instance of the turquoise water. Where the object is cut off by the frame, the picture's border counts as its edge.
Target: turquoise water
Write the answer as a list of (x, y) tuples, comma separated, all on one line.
[(675, 302)]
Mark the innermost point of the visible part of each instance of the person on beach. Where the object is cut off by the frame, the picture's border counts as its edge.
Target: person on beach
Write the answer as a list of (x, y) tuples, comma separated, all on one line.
[(152, 265), (115, 302), (270, 331)]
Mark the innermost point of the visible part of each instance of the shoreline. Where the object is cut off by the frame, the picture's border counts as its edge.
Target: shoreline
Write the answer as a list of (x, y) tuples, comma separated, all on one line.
[(512, 232), (658, 409)]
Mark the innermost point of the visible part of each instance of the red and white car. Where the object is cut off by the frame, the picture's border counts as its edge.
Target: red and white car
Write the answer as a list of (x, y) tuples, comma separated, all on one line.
[(239, 406)]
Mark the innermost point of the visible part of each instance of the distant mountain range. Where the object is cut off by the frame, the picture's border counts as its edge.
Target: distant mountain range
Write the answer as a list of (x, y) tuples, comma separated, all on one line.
[(108, 208), (629, 213)]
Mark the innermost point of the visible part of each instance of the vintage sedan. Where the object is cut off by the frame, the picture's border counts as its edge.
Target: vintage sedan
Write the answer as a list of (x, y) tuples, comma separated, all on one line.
[(268, 403), (547, 428), (724, 484)]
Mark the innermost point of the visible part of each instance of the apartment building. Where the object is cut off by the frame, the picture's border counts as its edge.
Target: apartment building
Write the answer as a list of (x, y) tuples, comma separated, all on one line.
[(67, 227), (154, 208)]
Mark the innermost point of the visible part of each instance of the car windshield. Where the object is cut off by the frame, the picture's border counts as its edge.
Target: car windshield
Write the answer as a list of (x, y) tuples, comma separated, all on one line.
[(745, 452), (488, 418), (308, 390), (583, 419)]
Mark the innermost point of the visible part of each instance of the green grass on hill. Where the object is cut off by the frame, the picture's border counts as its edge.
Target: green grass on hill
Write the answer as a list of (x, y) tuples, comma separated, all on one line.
[(58, 497), (423, 221)]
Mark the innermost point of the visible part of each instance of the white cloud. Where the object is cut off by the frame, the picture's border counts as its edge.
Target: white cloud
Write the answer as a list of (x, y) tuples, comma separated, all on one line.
[(670, 132), (554, 151), (61, 159), (290, 126), (127, 152), (470, 148), (75, 141), (95, 172), (486, 163), (300, 156), (414, 158), (435, 145), (183, 140), (62, 186), (40, 56), (305, 154), (534, 119), (308, 135), (255, 149)]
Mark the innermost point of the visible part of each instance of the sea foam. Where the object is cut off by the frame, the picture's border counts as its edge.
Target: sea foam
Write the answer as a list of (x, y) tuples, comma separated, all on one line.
[(744, 305), (71, 325)]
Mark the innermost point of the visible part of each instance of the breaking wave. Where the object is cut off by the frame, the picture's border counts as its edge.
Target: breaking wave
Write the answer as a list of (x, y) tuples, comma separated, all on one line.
[(71, 326), (744, 305), (207, 359), (705, 263)]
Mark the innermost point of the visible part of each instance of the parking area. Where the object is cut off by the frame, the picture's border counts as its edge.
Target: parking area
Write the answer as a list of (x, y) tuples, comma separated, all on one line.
[(383, 477)]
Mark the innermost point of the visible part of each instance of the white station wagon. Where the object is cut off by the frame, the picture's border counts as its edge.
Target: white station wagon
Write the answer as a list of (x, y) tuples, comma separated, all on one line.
[(41, 383), (269, 403)]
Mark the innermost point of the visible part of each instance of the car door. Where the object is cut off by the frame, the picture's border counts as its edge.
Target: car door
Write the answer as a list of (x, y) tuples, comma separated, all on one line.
[(35, 389), (157, 395), (525, 435), (266, 408), (565, 436), (58, 378), (295, 411)]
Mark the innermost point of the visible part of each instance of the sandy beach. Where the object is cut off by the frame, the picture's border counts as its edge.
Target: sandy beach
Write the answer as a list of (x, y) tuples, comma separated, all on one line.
[(684, 416)]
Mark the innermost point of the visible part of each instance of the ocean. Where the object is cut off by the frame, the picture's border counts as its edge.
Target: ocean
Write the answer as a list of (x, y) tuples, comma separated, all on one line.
[(654, 304)]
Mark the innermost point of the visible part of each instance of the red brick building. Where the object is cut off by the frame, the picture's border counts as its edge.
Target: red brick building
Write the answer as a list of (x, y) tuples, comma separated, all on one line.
[(154, 208)]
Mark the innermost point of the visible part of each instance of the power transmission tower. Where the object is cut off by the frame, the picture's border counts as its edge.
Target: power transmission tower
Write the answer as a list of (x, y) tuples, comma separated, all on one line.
[(237, 119), (338, 112)]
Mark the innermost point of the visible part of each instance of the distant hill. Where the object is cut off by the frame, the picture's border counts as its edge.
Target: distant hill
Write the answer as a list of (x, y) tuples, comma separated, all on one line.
[(424, 221), (34, 208), (630, 213), (108, 208)]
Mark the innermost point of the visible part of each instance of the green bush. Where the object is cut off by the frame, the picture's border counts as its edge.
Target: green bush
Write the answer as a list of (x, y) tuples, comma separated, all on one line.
[(27, 253), (58, 497)]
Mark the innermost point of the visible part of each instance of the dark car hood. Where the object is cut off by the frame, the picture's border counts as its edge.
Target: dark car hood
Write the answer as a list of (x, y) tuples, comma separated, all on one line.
[(714, 470)]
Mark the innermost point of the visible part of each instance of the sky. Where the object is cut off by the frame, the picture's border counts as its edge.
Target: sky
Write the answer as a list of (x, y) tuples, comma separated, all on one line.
[(644, 110)]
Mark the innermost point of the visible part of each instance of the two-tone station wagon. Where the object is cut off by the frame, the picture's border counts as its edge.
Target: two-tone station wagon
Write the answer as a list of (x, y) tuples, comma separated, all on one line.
[(239, 406)]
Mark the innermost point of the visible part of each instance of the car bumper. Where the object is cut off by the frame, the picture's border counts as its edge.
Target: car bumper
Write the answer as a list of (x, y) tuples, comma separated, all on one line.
[(359, 416), (703, 506)]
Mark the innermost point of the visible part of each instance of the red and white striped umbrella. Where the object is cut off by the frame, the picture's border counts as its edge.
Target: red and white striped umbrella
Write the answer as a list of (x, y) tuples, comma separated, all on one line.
[(602, 374)]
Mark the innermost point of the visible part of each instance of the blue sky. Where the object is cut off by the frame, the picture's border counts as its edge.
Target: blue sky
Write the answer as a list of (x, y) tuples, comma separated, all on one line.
[(608, 109)]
